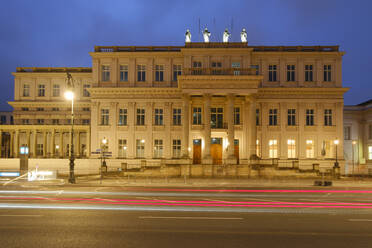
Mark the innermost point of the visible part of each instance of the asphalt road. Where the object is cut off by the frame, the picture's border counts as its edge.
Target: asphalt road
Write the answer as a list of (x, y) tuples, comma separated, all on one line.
[(163, 217)]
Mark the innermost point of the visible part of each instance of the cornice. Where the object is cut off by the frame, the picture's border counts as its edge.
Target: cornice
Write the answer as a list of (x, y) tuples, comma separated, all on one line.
[(302, 91), (48, 103)]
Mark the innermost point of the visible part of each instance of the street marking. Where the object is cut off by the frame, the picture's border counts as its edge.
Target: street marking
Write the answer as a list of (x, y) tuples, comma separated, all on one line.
[(20, 215), (360, 220), (189, 218)]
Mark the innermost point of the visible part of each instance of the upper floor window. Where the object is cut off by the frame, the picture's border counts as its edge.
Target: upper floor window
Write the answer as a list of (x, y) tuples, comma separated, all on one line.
[(124, 73), (41, 90), (55, 109), (328, 117), (86, 109), (291, 117), (26, 90), (196, 116), (197, 68), (159, 73), (273, 117), (55, 121), (105, 73), (141, 73), (40, 121), (3, 119), (25, 121), (216, 117), (256, 69), (236, 116), (24, 109), (273, 73), (85, 121), (159, 117), (176, 116), (85, 90), (309, 73), (177, 70), (105, 116), (309, 117), (347, 133), (140, 117), (39, 109), (216, 68), (56, 90), (291, 72), (236, 68), (123, 117), (327, 69), (257, 117)]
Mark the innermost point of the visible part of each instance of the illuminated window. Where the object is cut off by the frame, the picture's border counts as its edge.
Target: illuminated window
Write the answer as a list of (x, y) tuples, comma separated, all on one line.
[(328, 149), (105, 73), (140, 148), (124, 73), (176, 148), (291, 72), (158, 148), (309, 73), (273, 148), (369, 152), (327, 70), (272, 73), (159, 73), (309, 149), (291, 148), (122, 145), (258, 148)]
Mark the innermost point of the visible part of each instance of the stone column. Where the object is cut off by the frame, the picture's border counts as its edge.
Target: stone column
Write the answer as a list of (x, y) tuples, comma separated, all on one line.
[(28, 134), (207, 129), (61, 144), (16, 151), (148, 141), (11, 144), (131, 141), (230, 126), (113, 140), (167, 148), (34, 142), (44, 144), (186, 126), (52, 142), (253, 128)]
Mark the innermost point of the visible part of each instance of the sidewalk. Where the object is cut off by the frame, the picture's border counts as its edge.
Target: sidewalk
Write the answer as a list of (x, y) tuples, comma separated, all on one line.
[(95, 181)]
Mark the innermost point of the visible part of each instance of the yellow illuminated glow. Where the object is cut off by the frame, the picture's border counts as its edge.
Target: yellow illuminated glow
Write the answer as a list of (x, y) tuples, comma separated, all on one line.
[(69, 95), (336, 142)]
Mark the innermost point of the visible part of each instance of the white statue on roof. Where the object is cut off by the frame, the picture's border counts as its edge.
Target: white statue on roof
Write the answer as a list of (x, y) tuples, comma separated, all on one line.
[(188, 36), (206, 35), (226, 36), (243, 35)]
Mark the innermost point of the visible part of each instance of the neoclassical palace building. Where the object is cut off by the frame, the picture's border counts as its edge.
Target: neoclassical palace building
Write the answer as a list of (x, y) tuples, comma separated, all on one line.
[(201, 103)]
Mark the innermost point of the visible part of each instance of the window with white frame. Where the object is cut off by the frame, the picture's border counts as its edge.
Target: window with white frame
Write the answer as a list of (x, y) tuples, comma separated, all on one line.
[(105, 73), (26, 90), (159, 117), (105, 116), (176, 148), (273, 148), (122, 148), (291, 148), (328, 117), (291, 73), (123, 117), (56, 90), (273, 117), (141, 73), (272, 73), (123, 73), (196, 116), (237, 116), (309, 117), (140, 117), (140, 148), (159, 73), (258, 148), (309, 149), (291, 117), (236, 68), (176, 116), (158, 148), (177, 71), (85, 90), (347, 132), (327, 71), (309, 73), (41, 90)]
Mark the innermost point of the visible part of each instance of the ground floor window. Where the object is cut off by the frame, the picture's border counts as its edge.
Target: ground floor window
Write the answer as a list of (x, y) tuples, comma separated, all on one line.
[(309, 149), (158, 148), (177, 148), (39, 149), (273, 148), (122, 151), (291, 148), (140, 148), (258, 148)]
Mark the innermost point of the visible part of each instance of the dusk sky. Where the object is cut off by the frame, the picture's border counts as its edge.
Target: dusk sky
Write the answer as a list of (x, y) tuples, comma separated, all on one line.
[(59, 33)]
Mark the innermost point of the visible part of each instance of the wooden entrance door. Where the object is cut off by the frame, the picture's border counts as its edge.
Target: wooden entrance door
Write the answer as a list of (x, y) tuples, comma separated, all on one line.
[(196, 157), (236, 150), (216, 150)]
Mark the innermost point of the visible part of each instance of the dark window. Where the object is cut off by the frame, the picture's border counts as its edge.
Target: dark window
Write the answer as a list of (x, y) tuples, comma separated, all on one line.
[(273, 117)]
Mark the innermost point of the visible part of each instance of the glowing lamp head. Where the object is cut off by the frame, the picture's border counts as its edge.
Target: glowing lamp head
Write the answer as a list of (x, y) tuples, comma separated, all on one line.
[(69, 95), (143, 141), (336, 142), (104, 141)]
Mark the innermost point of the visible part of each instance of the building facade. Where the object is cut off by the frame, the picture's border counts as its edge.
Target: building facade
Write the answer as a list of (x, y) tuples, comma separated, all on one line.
[(358, 138), (202, 103)]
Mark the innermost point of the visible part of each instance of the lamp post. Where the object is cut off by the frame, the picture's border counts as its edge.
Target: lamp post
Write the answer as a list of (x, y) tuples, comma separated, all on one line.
[(103, 149), (352, 152), (336, 167), (69, 95)]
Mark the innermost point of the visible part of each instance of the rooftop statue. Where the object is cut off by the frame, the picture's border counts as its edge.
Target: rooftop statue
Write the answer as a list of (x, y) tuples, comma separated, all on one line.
[(243, 35), (206, 35), (188, 36), (226, 36)]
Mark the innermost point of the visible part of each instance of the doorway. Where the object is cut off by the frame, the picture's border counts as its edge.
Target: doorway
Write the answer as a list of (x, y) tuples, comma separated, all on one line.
[(196, 157), (216, 150), (236, 150)]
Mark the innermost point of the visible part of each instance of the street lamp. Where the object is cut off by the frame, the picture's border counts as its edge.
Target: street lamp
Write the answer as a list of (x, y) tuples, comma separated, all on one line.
[(336, 143), (336, 167), (352, 152), (69, 95), (103, 149)]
